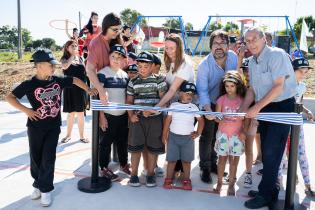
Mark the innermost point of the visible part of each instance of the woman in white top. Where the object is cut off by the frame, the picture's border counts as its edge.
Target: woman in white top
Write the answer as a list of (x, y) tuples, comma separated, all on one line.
[(177, 66)]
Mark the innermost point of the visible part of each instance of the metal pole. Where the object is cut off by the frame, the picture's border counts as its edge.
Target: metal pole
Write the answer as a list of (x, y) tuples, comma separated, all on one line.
[(294, 37), (19, 31), (94, 184), (203, 33), (293, 154), (80, 21)]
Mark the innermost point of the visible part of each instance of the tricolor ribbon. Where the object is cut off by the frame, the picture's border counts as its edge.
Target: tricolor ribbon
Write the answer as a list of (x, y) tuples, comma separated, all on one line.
[(284, 118)]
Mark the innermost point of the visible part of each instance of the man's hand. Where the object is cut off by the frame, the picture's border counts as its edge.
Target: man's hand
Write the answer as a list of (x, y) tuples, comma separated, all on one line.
[(309, 116), (33, 115), (103, 96), (195, 135), (252, 111), (92, 92)]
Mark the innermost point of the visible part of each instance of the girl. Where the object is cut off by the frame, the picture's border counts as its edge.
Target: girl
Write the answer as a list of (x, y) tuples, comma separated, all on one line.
[(74, 98), (301, 68), (230, 137), (90, 31)]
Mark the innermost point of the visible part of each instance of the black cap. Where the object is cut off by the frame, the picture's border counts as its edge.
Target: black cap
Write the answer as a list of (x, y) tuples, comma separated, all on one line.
[(145, 56), (132, 55), (126, 27), (119, 49), (245, 63), (132, 68), (44, 55), (156, 59), (232, 39), (188, 87), (301, 63)]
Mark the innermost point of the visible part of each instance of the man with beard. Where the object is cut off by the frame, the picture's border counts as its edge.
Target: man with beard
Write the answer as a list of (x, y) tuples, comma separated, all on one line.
[(210, 73)]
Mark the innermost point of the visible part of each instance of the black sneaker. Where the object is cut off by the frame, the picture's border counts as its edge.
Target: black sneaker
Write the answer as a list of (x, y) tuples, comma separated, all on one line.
[(256, 202), (151, 182), (206, 176), (134, 181), (252, 193)]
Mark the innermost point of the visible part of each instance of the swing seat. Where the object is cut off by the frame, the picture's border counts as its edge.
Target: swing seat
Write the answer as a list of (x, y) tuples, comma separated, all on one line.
[(157, 44)]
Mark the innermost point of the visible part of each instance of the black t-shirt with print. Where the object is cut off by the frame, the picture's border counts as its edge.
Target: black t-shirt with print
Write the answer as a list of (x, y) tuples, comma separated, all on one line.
[(44, 97)]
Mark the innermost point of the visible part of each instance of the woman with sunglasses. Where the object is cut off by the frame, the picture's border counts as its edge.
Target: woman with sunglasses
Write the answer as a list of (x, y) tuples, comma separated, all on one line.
[(99, 49)]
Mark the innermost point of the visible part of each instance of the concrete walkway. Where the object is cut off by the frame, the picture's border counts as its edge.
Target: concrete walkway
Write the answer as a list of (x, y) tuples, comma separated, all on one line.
[(74, 162)]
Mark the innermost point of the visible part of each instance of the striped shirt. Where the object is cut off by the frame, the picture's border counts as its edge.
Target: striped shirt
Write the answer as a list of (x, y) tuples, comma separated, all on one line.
[(146, 91)]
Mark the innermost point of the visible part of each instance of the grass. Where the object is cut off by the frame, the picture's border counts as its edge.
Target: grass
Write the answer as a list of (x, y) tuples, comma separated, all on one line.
[(26, 57)]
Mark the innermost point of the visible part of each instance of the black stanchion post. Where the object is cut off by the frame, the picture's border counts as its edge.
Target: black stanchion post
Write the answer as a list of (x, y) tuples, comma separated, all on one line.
[(292, 166), (94, 184), (115, 154)]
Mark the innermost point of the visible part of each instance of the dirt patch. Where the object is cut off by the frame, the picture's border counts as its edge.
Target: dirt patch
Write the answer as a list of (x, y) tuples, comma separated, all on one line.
[(13, 73)]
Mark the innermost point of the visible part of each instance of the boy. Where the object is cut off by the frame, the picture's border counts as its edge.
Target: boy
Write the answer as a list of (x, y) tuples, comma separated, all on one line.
[(156, 64), (179, 135), (114, 123), (43, 92), (145, 130), (132, 71)]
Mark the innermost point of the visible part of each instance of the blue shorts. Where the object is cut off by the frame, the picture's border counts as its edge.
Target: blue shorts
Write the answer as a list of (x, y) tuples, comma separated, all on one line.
[(180, 147)]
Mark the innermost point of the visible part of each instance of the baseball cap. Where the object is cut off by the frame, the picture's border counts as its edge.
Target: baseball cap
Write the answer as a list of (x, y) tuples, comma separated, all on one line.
[(44, 55), (301, 63), (145, 56), (156, 59), (132, 68), (188, 87), (132, 55), (119, 49), (232, 39)]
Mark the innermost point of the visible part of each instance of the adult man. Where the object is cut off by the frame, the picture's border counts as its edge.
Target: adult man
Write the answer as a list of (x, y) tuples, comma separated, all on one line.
[(210, 72), (272, 85)]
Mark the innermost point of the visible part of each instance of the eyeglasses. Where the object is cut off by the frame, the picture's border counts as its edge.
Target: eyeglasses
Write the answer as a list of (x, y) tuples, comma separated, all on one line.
[(217, 44), (252, 41), (115, 29)]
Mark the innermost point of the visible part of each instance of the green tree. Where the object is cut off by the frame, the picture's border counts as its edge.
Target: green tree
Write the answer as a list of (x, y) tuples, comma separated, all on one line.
[(48, 43), (215, 26), (37, 43), (129, 17), (310, 22), (9, 37), (189, 26), (229, 26), (172, 23)]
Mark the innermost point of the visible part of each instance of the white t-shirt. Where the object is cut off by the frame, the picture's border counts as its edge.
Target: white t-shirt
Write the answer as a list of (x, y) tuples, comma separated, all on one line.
[(185, 72), (300, 89), (183, 123), (115, 83)]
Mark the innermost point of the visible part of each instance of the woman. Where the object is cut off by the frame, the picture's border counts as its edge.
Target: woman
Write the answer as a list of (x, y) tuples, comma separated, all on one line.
[(90, 31), (178, 70), (74, 98)]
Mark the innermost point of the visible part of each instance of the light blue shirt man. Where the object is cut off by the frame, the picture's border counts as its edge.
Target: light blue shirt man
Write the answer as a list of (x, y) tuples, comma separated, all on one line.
[(209, 77)]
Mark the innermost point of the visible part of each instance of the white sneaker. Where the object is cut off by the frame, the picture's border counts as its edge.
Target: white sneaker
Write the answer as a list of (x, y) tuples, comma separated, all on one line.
[(35, 194), (45, 199), (248, 182)]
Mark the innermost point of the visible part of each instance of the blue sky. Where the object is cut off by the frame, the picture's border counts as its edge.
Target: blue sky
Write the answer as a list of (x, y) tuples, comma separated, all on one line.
[(36, 14)]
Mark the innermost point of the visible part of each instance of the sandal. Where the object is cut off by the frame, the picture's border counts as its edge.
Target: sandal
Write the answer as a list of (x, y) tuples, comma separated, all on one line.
[(231, 190), (309, 192), (65, 139), (168, 183), (218, 188), (85, 140)]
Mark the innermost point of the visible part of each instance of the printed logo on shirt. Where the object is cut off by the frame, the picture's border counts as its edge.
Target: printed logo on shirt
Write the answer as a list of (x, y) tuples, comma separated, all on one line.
[(49, 99)]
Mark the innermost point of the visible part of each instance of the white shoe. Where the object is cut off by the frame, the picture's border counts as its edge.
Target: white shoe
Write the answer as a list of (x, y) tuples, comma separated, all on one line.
[(35, 194), (45, 199)]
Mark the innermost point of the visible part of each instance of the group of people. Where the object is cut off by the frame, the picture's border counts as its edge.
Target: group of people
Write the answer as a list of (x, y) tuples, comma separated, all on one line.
[(226, 82)]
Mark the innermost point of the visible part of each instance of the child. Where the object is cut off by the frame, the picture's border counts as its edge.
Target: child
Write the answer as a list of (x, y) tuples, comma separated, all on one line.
[(114, 123), (301, 68), (132, 71), (179, 135), (230, 137), (145, 130), (132, 58), (74, 98), (44, 119), (156, 64)]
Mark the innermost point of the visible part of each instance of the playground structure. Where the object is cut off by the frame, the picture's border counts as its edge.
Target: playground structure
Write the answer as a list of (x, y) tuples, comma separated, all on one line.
[(245, 22)]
